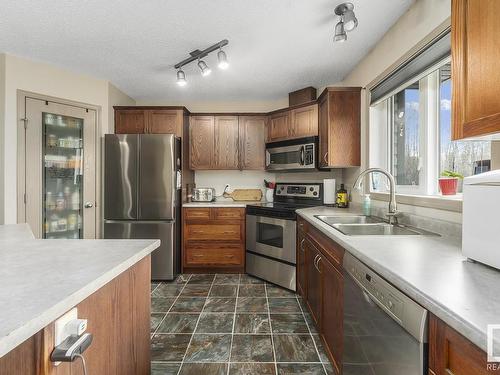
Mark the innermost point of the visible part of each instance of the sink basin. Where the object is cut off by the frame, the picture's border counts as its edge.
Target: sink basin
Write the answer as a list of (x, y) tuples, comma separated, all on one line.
[(354, 219), (359, 225)]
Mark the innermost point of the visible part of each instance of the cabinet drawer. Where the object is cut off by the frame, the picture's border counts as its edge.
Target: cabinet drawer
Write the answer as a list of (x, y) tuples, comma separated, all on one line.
[(222, 232), (197, 213), (229, 213), (213, 254)]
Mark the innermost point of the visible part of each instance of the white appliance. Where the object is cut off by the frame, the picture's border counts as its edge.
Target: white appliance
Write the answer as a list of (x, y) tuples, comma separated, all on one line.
[(481, 211)]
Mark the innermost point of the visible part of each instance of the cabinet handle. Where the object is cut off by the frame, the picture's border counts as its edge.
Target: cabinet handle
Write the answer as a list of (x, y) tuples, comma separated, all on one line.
[(325, 158), (316, 263)]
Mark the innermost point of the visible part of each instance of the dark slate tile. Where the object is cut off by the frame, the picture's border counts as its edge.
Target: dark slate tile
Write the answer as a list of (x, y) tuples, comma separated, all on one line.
[(195, 290), (310, 322), (224, 291), (182, 279), (188, 304), (295, 348), (203, 369), (201, 279), (163, 368), (156, 318), (247, 279), (254, 368), (321, 349), (227, 279), (169, 347), (252, 323), (300, 369), (178, 323), (154, 286), (284, 305), (215, 323), (219, 304), (252, 348), (252, 290), (209, 348), (288, 323), (167, 290), (160, 304), (276, 291), (251, 304)]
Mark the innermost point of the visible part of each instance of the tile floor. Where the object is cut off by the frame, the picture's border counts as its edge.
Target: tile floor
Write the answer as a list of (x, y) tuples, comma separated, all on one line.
[(231, 325)]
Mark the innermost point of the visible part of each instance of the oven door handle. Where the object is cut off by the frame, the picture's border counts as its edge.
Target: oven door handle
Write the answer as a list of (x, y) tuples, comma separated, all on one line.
[(302, 155)]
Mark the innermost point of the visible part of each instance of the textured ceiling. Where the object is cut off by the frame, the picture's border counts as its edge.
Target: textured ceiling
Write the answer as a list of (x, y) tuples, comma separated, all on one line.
[(275, 46)]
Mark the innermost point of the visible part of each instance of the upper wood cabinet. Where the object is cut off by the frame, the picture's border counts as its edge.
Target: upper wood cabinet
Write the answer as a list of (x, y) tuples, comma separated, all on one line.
[(227, 142), (202, 142), (476, 77), (340, 127), (252, 130), (140, 120), (293, 123)]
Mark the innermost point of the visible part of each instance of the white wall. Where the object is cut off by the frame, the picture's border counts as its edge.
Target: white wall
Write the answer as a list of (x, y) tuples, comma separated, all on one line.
[(41, 78), (2, 131), (115, 97), (227, 106)]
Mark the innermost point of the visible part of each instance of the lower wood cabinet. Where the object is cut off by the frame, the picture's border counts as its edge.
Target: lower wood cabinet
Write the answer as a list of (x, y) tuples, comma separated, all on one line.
[(320, 283), (213, 239)]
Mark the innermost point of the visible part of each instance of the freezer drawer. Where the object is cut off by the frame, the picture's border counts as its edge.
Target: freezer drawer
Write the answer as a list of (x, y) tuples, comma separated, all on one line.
[(165, 260), (277, 272)]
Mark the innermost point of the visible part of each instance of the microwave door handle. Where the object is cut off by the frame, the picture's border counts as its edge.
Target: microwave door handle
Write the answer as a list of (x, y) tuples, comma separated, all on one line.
[(302, 155)]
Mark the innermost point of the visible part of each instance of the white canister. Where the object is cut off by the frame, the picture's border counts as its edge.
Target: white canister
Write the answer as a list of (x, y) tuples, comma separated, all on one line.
[(269, 194)]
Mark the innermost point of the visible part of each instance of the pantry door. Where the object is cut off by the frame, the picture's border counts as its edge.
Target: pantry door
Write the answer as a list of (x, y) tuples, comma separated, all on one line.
[(60, 167)]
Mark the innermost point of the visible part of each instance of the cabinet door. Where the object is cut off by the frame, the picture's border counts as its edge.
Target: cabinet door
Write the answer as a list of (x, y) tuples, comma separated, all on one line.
[(301, 265), (332, 312), (475, 55), (201, 142), (304, 122), (313, 282), (323, 132), (226, 142), (252, 132), (130, 121), (279, 125), (165, 122)]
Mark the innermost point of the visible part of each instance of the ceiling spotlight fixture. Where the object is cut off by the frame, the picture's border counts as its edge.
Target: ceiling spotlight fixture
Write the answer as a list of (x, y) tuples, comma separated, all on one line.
[(198, 55), (348, 21), (181, 78), (221, 56), (205, 70)]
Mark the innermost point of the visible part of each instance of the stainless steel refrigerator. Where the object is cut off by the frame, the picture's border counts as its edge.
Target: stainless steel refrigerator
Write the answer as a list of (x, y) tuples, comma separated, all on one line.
[(142, 195)]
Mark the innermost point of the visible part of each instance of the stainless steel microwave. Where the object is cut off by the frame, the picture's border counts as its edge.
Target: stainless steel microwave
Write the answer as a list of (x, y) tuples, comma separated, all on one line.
[(295, 154)]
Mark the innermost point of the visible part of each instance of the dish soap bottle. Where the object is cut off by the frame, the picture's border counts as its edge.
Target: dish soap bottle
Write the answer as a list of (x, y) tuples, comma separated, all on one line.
[(367, 203), (341, 198)]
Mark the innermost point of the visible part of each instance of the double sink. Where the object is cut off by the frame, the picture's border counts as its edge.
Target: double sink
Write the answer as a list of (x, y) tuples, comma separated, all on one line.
[(358, 225)]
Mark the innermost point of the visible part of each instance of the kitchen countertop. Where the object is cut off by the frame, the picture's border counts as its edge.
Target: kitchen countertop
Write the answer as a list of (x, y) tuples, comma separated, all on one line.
[(42, 279), (429, 269), (229, 203)]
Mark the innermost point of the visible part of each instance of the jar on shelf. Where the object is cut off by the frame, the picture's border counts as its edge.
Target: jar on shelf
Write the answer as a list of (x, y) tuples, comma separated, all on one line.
[(60, 202), (50, 202), (62, 224), (51, 140), (72, 221), (54, 223)]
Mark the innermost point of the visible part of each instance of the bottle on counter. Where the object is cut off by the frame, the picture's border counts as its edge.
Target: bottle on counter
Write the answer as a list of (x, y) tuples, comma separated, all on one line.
[(342, 198)]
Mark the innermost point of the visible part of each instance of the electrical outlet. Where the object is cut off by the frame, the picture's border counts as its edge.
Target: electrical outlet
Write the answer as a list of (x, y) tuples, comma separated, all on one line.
[(60, 333)]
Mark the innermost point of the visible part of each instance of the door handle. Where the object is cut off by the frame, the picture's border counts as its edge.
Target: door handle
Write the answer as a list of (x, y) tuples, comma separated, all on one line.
[(89, 204)]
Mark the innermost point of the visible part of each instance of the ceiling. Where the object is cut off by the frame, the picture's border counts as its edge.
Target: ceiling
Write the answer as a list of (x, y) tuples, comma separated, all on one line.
[(275, 46)]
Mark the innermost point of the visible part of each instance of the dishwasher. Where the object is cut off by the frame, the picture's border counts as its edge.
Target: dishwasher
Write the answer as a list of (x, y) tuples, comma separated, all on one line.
[(385, 332)]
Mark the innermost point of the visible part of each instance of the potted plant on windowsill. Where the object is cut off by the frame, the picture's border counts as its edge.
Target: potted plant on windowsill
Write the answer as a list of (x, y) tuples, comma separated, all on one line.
[(448, 182)]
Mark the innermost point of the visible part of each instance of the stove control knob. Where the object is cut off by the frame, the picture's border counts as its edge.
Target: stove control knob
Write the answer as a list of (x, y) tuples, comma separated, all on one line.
[(315, 193), (311, 189)]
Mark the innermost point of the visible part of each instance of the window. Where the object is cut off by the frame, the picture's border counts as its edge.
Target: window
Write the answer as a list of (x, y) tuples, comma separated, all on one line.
[(410, 135)]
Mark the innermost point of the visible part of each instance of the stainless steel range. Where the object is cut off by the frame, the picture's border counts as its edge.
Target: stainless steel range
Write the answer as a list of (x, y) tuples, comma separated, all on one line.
[(271, 232)]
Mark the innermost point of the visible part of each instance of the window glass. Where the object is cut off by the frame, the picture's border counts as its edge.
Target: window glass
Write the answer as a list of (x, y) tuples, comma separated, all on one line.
[(465, 157), (405, 136)]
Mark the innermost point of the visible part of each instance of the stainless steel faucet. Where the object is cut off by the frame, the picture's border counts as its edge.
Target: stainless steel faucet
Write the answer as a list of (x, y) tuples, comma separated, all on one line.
[(393, 207)]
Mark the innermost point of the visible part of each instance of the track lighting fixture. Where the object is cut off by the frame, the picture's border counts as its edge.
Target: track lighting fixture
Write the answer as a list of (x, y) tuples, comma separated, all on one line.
[(348, 21), (181, 78), (205, 70), (198, 55)]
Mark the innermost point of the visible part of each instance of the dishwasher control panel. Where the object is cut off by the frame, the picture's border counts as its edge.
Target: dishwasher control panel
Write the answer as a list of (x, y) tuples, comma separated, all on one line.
[(406, 312)]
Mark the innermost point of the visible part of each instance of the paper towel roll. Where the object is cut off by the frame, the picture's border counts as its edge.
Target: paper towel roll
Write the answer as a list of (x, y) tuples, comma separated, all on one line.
[(329, 190)]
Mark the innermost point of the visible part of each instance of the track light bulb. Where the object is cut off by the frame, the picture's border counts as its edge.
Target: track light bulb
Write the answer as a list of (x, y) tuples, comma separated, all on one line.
[(221, 56), (205, 70), (181, 78), (340, 34), (350, 20)]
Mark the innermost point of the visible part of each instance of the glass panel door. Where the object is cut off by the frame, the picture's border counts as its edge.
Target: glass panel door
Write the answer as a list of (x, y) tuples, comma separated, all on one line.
[(62, 213)]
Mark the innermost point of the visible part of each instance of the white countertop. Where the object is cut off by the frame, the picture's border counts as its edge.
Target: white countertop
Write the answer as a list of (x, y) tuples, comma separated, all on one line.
[(42, 279), (15, 231), (430, 270), (221, 203)]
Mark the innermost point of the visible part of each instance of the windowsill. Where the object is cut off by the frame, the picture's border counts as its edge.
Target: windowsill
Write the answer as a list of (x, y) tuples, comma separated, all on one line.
[(439, 202)]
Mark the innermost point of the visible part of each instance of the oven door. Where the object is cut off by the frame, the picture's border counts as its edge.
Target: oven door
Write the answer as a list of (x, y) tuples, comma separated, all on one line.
[(291, 157), (271, 237)]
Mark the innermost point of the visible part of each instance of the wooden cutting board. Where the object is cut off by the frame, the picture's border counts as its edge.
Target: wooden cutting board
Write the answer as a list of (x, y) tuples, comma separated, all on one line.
[(245, 195)]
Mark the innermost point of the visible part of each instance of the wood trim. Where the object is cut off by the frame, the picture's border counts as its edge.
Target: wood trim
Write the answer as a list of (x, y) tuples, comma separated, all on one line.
[(312, 102), (228, 114), (151, 107), (480, 127), (459, 67)]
